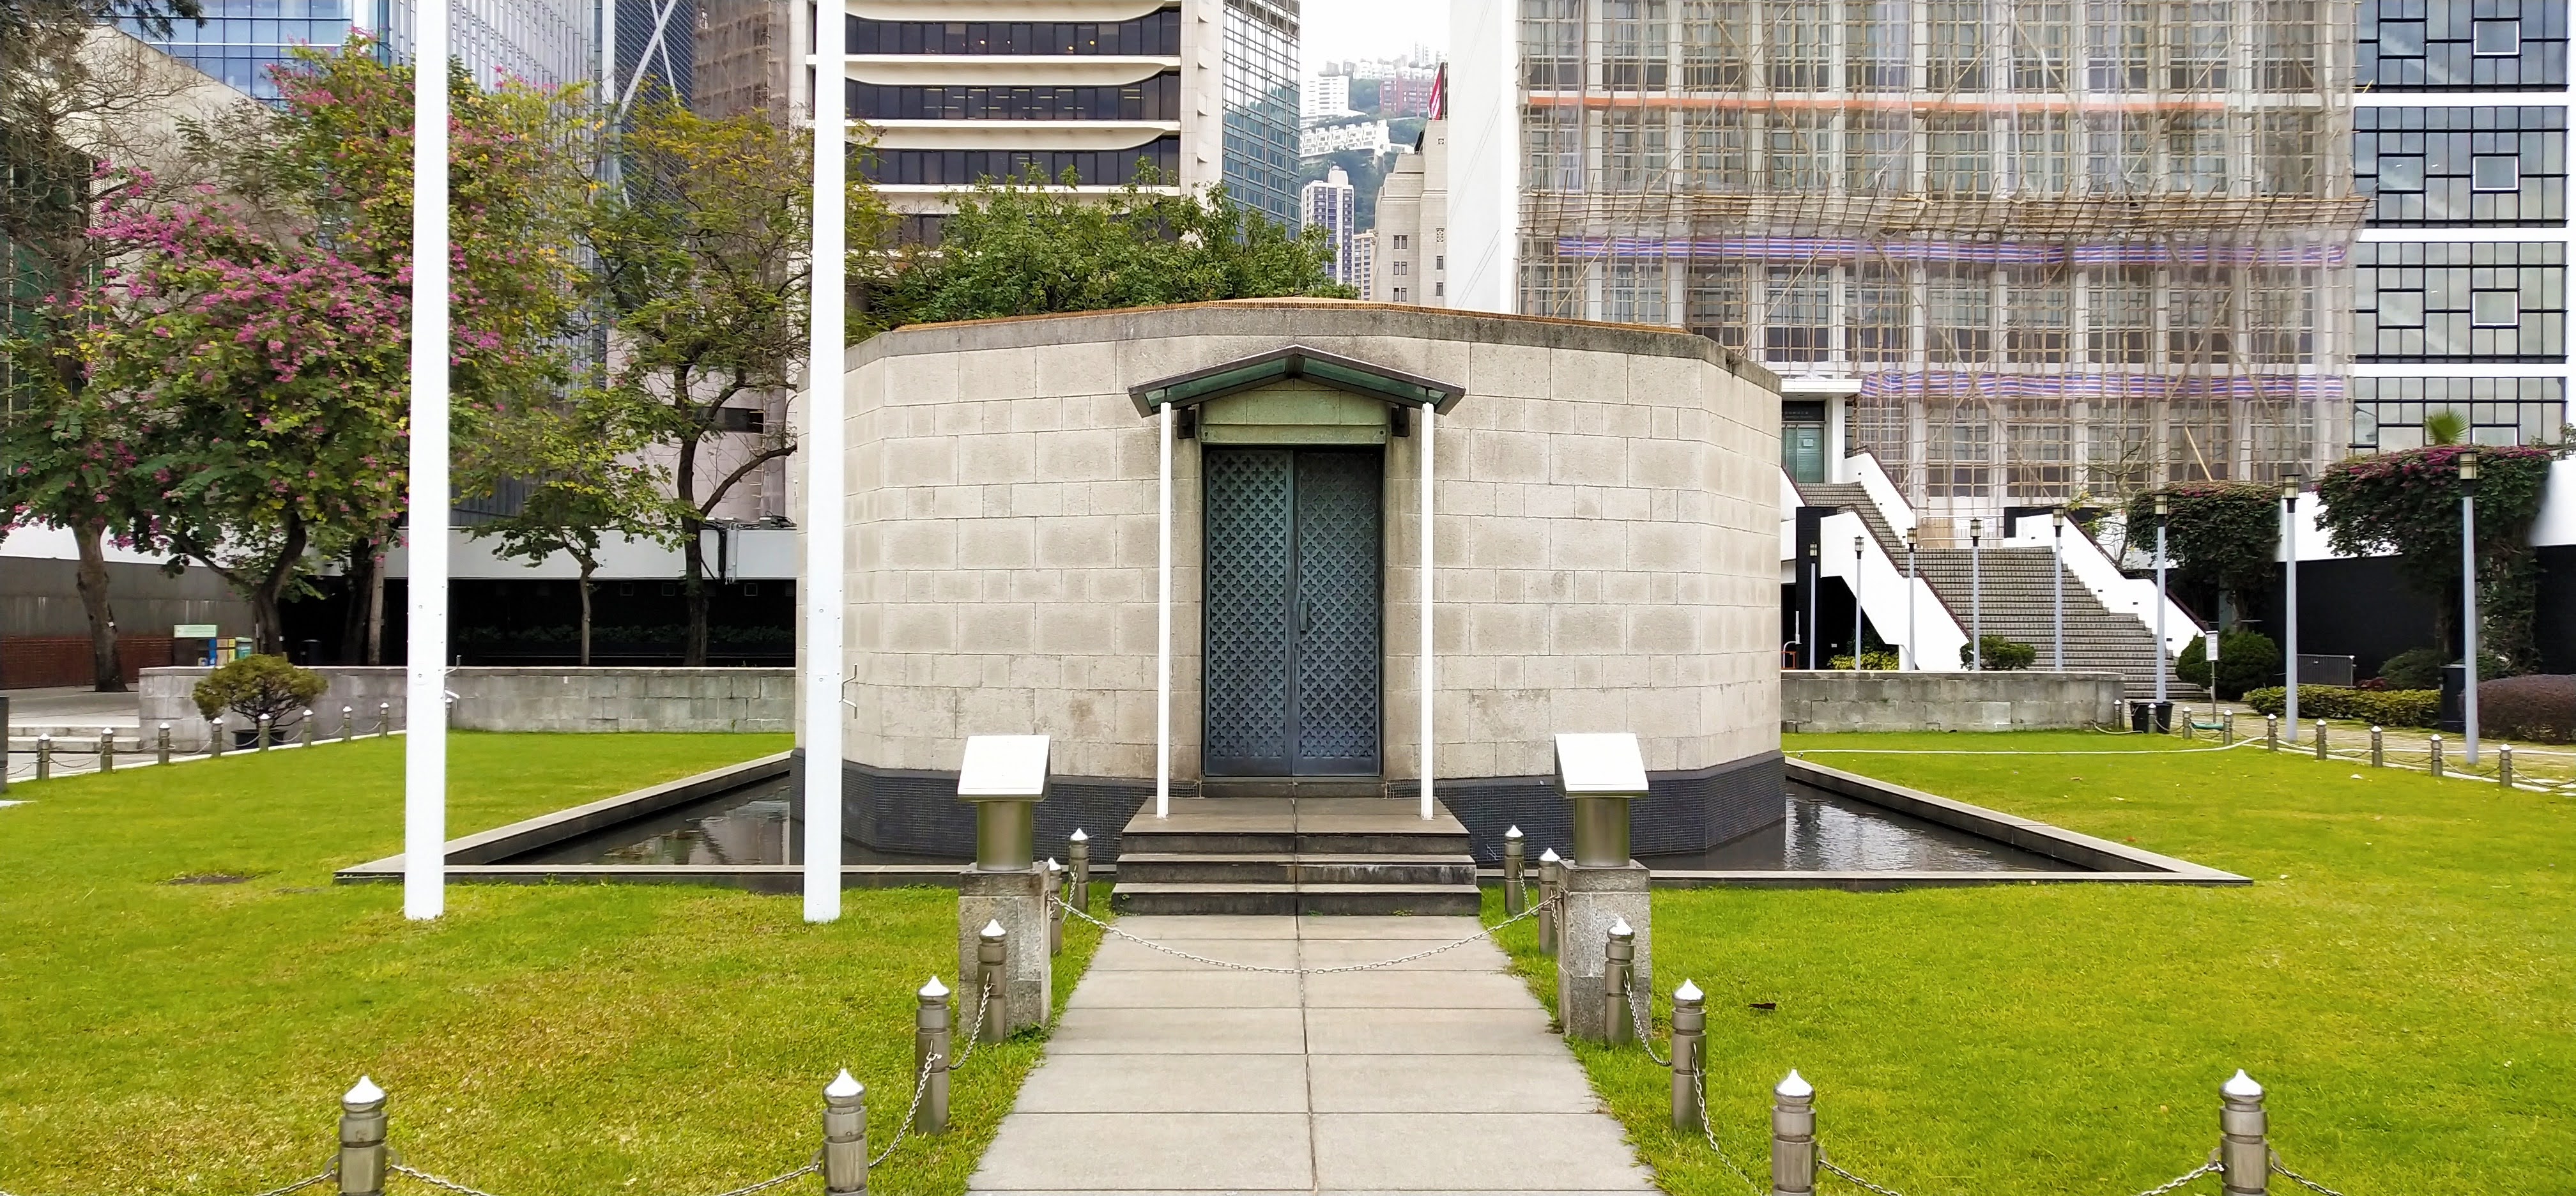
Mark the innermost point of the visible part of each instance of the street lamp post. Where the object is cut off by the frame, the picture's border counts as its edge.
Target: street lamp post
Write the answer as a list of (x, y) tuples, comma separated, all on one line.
[(2290, 615), (2057, 587), (2469, 602), (2163, 508), (1856, 617), (1976, 599), (1815, 582), (1913, 647)]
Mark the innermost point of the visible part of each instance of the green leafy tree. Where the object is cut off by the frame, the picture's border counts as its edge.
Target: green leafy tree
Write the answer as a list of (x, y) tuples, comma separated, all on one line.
[(2408, 503), (2225, 535), (587, 485), (1023, 247), (703, 251), (257, 687)]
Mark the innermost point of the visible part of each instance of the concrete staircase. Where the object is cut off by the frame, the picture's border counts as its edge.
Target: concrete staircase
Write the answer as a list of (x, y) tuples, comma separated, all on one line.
[(2017, 600), (1294, 847)]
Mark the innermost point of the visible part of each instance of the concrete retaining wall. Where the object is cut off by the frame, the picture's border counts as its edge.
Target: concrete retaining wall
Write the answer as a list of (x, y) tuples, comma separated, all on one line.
[(534, 699), (1845, 700)]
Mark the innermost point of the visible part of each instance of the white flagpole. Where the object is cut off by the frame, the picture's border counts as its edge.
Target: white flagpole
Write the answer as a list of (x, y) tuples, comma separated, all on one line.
[(825, 581), (1163, 633), (1427, 421), (425, 696)]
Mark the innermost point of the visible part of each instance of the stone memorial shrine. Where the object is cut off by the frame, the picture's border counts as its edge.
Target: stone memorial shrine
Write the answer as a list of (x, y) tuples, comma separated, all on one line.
[(1186, 544)]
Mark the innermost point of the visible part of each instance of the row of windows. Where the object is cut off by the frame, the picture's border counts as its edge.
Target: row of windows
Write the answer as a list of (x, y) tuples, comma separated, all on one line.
[(2426, 45), (1876, 152), (1261, 106), (1973, 317), (2039, 448), (965, 168), (1156, 34), (1157, 98), (2389, 413), (2462, 166), (1923, 45), (2495, 301)]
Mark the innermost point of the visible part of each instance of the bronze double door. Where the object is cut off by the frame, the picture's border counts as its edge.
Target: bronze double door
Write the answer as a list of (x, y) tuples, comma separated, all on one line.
[(1293, 611)]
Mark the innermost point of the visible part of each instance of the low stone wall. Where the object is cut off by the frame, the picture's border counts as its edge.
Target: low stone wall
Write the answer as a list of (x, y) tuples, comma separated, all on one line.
[(2019, 700), (533, 699)]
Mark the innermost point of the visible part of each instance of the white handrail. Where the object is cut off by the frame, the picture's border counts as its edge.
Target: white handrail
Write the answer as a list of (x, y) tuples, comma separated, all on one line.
[(1884, 594), (2118, 593)]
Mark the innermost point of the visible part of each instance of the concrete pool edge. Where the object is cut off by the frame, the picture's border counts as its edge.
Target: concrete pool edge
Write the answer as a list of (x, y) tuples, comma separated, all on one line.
[(2090, 860)]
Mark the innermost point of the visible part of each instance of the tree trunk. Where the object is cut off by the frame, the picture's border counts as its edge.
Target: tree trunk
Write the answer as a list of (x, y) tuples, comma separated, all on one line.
[(376, 606), (353, 625), (694, 587), (106, 675), (269, 591), (586, 567)]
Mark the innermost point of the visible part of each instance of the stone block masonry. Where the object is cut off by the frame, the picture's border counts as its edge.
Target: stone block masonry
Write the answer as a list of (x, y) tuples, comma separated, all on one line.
[(2020, 700), (532, 699)]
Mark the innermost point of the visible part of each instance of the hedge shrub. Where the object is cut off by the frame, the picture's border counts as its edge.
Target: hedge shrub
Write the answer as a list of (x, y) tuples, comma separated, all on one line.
[(2245, 659), (2002, 655), (2421, 668), (257, 686), (2386, 708), (1873, 659), (2540, 707)]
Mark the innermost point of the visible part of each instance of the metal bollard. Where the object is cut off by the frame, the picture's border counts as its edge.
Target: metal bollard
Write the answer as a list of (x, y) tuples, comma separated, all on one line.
[(2321, 739), (107, 749), (1055, 914), (845, 1137), (362, 1139), (215, 736), (1690, 1027), (2271, 732), (384, 719), (1793, 1137), (2227, 729), (930, 1040), (2244, 1155), (993, 982), (1619, 960), (1550, 871), (1514, 899), (161, 743), (345, 712), (2378, 751), (304, 728), (2437, 755), (263, 732), (44, 757), (1077, 852), (2504, 765)]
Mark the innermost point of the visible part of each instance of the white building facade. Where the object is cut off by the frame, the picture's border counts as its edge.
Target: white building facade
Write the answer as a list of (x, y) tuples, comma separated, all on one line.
[(1411, 254)]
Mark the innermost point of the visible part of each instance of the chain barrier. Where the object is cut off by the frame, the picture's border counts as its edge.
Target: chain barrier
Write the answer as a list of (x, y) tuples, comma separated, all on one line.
[(1849, 1178), (2301, 1180), (1637, 1009), (919, 1086), (306, 1182), (2176, 1183), (1295, 970), (461, 1190), (1708, 1130), (434, 1181), (974, 1030)]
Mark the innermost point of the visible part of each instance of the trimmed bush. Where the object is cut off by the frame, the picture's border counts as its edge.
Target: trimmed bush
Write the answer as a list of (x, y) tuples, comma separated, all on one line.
[(2421, 668), (2540, 707), (2386, 708), (2002, 655), (1868, 660), (258, 685), (2245, 659)]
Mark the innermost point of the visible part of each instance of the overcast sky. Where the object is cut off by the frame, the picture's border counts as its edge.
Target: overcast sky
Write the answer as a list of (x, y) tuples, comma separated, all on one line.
[(1332, 30)]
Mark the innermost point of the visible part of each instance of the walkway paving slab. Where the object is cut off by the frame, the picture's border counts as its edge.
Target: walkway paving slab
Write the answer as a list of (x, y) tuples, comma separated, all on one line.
[(1439, 1076)]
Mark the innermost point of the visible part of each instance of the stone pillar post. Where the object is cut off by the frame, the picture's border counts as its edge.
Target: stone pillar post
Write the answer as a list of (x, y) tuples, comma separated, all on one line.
[(1004, 777), (1602, 886)]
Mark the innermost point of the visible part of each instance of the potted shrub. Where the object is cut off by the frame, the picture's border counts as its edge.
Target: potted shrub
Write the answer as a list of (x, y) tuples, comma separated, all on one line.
[(256, 686)]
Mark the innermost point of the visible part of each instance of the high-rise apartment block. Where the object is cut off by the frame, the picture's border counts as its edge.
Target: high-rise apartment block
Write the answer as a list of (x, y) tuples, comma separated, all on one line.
[(544, 41), (2461, 149), (1202, 91), (2019, 250), (1326, 96), (1332, 204), (1410, 262)]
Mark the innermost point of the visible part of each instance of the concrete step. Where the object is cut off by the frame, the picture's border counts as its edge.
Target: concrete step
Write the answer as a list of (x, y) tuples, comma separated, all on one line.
[(1295, 868), (1237, 787), (1149, 897)]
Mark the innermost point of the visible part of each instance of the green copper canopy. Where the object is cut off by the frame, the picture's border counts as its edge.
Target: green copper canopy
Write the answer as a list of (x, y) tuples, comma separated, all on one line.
[(1393, 387)]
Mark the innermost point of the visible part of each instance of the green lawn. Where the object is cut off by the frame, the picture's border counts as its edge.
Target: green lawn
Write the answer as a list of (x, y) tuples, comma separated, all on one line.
[(195, 1038), (2399, 976)]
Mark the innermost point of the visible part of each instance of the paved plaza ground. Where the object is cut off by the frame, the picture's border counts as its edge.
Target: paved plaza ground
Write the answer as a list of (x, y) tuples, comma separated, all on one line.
[(1167, 1075)]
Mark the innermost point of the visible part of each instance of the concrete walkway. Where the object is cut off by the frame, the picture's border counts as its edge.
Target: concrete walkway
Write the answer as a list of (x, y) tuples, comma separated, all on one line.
[(1436, 1076)]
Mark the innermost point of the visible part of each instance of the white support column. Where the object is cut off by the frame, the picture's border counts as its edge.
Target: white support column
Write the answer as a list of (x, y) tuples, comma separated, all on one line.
[(425, 701), (1426, 611), (826, 577), (1163, 629)]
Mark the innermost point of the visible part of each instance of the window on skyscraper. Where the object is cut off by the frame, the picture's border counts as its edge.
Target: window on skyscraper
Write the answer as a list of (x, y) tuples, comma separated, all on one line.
[(2429, 45), (2460, 301), (2427, 167)]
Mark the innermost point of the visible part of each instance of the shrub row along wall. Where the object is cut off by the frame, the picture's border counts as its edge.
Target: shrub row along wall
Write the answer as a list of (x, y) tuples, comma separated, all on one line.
[(1824, 700), (2387, 708), (2540, 707), (533, 699)]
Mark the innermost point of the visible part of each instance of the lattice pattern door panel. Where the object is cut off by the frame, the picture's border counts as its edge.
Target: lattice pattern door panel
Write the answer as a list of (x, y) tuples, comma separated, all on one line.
[(1249, 511), (1336, 702)]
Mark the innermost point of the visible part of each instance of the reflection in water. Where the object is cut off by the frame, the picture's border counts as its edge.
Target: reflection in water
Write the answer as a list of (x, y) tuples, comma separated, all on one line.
[(756, 824), (1826, 832)]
